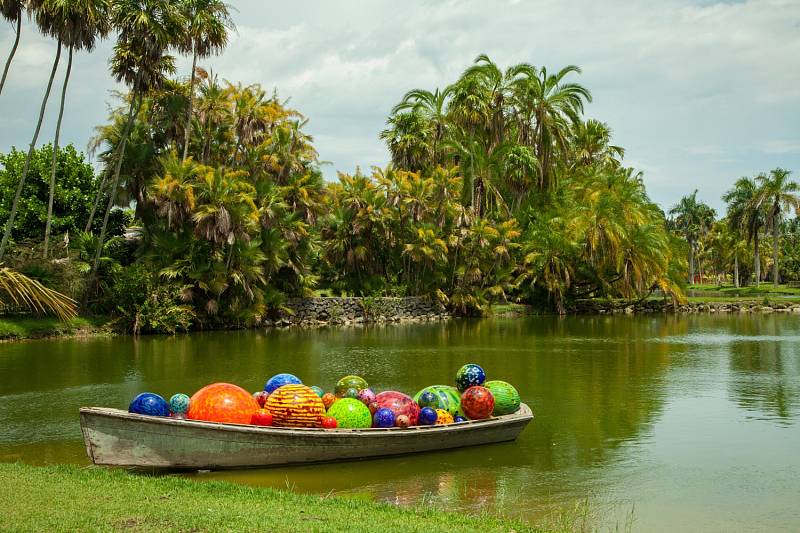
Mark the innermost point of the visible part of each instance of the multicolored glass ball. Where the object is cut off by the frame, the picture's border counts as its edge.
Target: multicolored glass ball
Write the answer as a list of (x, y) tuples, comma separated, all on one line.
[(443, 417), (402, 421), (261, 397), (352, 393), (351, 413), (179, 404), (279, 380), (222, 402), (468, 376), (428, 399), (150, 404), (367, 396), (506, 397), (295, 406), (318, 390), (328, 399), (446, 397), (350, 382), (400, 404), (383, 418), (427, 416), (477, 402), (261, 418)]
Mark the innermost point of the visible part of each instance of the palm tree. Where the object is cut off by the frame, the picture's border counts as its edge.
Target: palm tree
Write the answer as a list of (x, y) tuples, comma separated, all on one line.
[(777, 194), (693, 219), (20, 290), (147, 29), (41, 15), (746, 214), (548, 108), (207, 24), (11, 10), (78, 25), (433, 107)]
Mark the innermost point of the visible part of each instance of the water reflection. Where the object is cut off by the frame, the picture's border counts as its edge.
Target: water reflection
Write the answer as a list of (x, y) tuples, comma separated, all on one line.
[(627, 408)]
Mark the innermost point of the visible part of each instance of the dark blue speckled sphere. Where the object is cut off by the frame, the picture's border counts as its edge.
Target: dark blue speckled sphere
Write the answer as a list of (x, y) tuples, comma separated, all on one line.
[(279, 380), (383, 418), (148, 403), (468, 376), (459, 418), (427, 416)]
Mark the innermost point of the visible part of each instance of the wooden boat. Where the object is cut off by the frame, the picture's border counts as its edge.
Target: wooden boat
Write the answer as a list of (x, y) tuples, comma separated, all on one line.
[(119, 438)]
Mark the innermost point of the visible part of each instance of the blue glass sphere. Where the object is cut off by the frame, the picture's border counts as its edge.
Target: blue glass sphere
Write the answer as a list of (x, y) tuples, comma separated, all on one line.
[(318, 391), (427, 416), (279, 380), (428, 399), (468, 376), (148, 403), (179, 404), (383, 418), (459, 418)]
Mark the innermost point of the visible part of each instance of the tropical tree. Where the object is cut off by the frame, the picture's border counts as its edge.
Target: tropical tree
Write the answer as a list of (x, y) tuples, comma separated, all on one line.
[(432, 107), (746, 215), (42, 16), (777, 193), (20, 290), (147, 29), (206, 32), (12, 11), (693, 219), (78, 25)]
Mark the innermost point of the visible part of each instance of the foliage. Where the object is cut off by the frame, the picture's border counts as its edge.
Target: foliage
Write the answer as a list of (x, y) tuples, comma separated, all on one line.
[(76, 187), (19, 290)]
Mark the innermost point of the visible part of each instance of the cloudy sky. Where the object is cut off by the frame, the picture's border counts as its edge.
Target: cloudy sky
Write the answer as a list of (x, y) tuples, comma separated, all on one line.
[(699, 93)]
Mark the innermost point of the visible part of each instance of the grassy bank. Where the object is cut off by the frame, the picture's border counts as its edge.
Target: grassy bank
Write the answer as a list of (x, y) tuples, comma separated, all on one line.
[(751, 293), (70, 498), (26, 327)]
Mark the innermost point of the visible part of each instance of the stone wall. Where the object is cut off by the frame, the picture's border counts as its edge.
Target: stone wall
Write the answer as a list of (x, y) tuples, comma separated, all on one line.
[(322, 311), (658, 306)]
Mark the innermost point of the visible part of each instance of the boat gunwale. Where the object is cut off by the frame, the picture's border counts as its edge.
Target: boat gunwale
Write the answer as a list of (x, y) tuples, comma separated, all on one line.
[(523, 414)]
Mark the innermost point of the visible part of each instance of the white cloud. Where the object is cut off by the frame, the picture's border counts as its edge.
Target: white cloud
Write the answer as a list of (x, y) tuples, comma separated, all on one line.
[(683, 85)]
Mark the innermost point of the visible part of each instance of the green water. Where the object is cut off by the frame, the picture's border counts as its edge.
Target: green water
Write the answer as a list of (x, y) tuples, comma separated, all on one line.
[(691, 421)]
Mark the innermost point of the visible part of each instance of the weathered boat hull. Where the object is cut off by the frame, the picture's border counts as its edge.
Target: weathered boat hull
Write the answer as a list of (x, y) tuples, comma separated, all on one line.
[(115, 437)]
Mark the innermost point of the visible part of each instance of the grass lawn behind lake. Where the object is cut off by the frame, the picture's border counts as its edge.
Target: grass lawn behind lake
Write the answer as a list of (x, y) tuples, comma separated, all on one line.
[(29, 327), (71, 498)]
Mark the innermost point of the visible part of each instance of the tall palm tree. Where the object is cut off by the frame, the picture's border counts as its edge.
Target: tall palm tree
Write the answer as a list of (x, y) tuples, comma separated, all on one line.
[(693, 219), (746, 215), (433, 107), (147, 30), (79, 25), (207, 25), (778, 194), (12, 10), (40, 14), (548, 107)]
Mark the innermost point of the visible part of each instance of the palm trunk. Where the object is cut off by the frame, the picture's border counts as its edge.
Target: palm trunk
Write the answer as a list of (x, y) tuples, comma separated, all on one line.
[(188, 127), (757, 260), (691, 263), (55, 156), (135, 100), (11, 54), (736, 270), (27, 166), (775, 237), (96, 202)]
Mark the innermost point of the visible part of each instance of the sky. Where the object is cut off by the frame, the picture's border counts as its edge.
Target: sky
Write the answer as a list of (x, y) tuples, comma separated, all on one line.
[(699, 93)]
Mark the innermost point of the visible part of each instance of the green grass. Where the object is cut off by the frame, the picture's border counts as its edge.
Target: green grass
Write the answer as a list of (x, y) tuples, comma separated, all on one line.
[(510, 309), (71, 498), (26, 327), (751, 290)]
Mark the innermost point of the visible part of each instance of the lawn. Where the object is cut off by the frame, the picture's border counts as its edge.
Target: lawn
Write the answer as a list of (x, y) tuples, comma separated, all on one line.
[(71, 498)]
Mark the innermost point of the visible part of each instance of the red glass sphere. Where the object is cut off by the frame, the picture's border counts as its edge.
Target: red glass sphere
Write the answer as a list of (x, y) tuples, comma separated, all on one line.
[(477, 402), (400, 404), (222, 402), (261, 418)]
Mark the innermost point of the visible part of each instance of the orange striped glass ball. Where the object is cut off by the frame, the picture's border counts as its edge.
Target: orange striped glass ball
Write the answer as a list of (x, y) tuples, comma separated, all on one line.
[(295, 406), (222, 402)]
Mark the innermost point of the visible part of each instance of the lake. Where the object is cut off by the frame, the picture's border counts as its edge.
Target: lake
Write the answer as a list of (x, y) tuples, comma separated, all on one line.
[(685, 422)]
